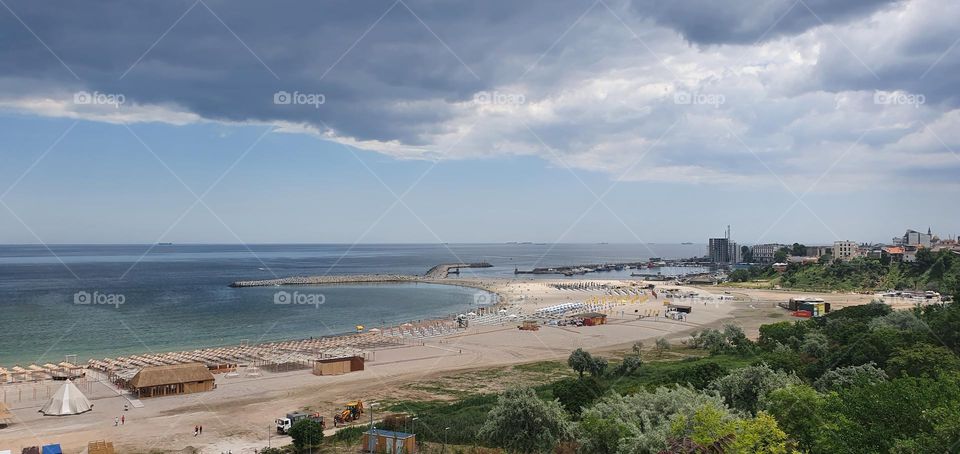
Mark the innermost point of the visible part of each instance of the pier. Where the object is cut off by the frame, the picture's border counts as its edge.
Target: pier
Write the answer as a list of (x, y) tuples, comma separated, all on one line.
[(436, 273)]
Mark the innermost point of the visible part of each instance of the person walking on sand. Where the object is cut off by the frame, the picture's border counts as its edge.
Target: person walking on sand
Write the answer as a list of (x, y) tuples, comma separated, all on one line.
[(201, 429), (196, 430), (116, 421), (123, 419)]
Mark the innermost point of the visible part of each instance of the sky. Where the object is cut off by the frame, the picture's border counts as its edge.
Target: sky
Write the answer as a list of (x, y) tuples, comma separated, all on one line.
[(366, 121)]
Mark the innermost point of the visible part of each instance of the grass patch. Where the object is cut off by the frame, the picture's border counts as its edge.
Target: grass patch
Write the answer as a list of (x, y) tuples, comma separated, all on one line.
[(543, 367), (349, 435)]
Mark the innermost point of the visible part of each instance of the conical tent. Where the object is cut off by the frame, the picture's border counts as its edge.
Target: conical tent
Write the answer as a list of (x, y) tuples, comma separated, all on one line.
[(68, 400)]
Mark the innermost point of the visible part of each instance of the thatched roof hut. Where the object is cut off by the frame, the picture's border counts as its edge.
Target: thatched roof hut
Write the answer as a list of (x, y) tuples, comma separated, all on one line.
[(173, 379)]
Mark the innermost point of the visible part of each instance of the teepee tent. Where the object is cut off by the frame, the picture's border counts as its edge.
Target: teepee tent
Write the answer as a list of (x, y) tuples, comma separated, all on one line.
[(68, 400)]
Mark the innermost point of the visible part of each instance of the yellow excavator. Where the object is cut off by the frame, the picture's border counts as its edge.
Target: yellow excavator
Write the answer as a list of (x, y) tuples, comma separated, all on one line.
[(351, 412)]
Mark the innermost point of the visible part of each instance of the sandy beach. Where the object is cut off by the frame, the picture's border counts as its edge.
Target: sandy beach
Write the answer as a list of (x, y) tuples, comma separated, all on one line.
[(238, 415)]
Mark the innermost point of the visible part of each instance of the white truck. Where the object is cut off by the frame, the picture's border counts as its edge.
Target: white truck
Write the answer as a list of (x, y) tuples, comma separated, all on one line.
[(285, 424)]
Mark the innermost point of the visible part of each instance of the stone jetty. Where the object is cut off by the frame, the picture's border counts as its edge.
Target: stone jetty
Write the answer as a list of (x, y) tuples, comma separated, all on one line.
[(436, 273)]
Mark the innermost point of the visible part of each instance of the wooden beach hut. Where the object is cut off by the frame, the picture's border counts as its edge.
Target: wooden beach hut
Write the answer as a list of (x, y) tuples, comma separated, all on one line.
[(337, 366), (156, 381)]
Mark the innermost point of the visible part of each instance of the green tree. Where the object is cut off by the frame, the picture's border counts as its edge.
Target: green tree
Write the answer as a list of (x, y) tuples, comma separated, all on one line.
[(798, 250), (737, 340), (922, 360), (575, 394), (871, 418), (739, 276), (843, 377), (825, 259), (815, 344), (711, 340), (661, 346), (641, 421), (799, 412), (306, 433), (786, 333), (746, 253), (944, 323), (601, 435), (781, 255), (580, 361), (520, 422), (707, 425), (628, 366), (745, 388), (714, 430), (785, 359), (598, 366), (698, 375), (909, 321), (730, 340)]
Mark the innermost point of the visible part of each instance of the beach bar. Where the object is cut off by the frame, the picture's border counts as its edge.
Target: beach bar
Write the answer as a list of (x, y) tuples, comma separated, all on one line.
[(385, 441), (156, 381), (337, 366)]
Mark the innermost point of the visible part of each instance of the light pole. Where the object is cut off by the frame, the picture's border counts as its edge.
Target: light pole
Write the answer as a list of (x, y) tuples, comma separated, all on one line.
[(372, 405), (372, 443), (446, 430)]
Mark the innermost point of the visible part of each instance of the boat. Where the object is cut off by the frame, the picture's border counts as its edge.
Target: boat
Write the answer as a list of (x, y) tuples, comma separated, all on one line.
[(164, 244)]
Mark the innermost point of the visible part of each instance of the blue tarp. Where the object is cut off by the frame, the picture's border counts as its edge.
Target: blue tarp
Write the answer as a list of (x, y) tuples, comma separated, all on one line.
[(52, 449)]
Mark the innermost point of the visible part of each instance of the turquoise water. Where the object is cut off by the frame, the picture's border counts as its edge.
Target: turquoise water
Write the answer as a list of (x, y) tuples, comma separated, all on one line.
[(168, 298)]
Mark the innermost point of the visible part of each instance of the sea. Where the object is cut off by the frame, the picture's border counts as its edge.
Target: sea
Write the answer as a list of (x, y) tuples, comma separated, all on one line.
[(96, 301)]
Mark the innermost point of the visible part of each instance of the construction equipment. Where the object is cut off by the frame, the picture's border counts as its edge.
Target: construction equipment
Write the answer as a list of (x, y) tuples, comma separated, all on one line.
[(285, 424), (351, 412)]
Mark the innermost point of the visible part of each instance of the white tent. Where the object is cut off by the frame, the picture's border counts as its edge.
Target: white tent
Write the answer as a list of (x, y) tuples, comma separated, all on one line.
[(68, 400)]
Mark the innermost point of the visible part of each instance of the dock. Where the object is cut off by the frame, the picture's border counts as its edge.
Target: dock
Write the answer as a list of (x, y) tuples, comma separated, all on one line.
[(436, 273)]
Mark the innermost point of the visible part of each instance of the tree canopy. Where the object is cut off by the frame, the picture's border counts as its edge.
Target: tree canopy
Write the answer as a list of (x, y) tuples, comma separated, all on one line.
[(520, 422)]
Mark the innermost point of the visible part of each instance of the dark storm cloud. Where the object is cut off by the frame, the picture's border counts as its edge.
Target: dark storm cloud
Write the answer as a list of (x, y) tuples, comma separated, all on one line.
[(200, 65), (746, 22), (600, 80)]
